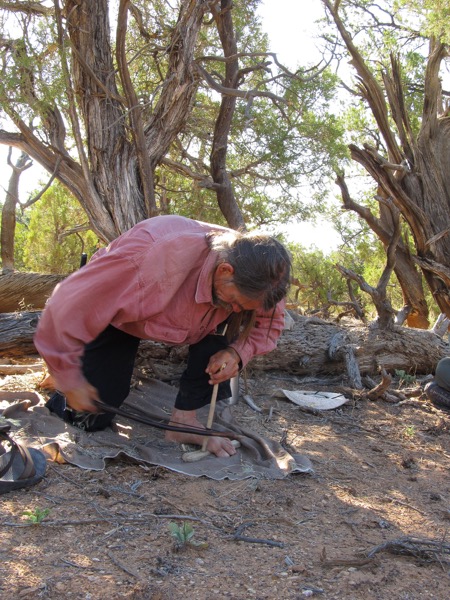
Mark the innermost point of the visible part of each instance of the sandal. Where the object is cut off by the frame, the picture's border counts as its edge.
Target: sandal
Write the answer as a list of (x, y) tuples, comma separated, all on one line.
[(20, 467), (438, 395)]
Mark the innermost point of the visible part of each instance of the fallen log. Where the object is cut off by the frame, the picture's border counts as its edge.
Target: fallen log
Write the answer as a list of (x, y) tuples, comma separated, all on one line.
[(26, 291), (305, 350), (21, 369), (17, 331), (309, 348)]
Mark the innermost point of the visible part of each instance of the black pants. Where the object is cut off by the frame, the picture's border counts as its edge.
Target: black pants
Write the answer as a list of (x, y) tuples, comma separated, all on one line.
[(108, 363)]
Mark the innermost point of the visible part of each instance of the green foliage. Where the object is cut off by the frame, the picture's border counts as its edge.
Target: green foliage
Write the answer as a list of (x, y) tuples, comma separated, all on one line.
[(49, 247), (317, 277), (409, 431), (273, 148), (31, 76), (432, 16), (320, 281), (36, 516), (367, 258), (20, 237), (405, 378), (183, 535)]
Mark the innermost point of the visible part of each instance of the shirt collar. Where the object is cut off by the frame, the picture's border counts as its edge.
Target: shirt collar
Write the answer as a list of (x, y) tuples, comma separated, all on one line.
[(203, 292)]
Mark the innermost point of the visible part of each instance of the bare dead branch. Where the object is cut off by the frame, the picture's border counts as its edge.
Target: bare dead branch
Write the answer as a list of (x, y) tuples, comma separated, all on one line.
[(44, 189), (73, 231), (22, 164), (243, 538), (368, 85), (438, 52), (379, 390), (227, 91), (437, 237), (441, 325), (28, 8), (427, 264), (424, 549)]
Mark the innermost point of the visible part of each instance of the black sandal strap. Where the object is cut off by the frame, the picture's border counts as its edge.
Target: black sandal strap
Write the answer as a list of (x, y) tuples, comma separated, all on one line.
[(16, 448), (4, 437)]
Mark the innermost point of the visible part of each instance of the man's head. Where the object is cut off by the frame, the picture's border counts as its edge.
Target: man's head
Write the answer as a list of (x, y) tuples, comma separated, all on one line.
[(253, 271)]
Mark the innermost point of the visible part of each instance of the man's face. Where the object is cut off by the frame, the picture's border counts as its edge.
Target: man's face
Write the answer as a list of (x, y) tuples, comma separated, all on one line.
[(226, 294)]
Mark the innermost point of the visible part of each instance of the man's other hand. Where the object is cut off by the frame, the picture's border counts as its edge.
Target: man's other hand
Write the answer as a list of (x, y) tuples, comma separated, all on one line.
[(223, 365), (83, 398)]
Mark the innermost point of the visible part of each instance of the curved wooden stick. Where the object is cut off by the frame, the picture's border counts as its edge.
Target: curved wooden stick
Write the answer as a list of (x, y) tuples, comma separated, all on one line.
[(212, 408)]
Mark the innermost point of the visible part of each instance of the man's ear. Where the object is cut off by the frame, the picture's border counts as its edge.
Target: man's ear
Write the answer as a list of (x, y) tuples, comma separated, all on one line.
[(225, 269)]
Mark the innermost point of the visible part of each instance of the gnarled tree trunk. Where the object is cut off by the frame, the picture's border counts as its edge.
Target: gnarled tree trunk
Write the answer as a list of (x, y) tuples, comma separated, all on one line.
[(414, 173), (113, 181), (9, 211)]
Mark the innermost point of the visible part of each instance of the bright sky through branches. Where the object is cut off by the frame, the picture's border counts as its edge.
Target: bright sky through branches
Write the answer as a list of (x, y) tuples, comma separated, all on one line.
[(293, 36), (291, 30)]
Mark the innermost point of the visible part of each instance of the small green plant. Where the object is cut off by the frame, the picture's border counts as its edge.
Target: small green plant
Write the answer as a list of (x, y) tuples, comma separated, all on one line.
[(36, 516), (405, 378), (409, 431), (183, 535)]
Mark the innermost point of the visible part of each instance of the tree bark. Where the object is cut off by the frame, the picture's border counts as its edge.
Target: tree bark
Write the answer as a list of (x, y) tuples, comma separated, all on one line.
[(111, 178), (25, 291), (309, 348), (220, 175), (305, 350), (16, 333)]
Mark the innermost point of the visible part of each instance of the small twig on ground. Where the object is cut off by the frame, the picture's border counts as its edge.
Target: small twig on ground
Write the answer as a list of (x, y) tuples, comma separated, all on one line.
[(105, 490), (72, 564), (379, 390), (252, 405), (120, 564), (69, 479), (400, 503), (346, 562), (243, 538), (143, 518)]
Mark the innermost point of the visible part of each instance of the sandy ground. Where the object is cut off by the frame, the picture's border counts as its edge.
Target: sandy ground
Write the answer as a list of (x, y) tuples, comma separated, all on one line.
[(381, 484)]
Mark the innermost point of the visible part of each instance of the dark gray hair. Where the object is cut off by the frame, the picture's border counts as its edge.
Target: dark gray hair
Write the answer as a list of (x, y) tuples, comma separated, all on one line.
[(262, 271), (262, 265)]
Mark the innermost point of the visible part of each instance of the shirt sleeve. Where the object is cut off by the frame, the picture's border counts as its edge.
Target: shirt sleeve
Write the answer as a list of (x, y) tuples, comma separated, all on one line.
[(80, 308), (264, 335)]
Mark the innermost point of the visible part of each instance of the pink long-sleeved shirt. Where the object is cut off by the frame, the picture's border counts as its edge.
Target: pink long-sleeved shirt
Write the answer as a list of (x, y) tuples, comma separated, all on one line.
[(153, 282)]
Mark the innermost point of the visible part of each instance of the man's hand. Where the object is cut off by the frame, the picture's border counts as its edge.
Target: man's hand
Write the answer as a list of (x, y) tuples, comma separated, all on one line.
[(83, 398), (223, 365), (220, 446)]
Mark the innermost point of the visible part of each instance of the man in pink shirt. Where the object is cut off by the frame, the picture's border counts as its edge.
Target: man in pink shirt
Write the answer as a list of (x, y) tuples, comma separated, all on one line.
[(173, 280)]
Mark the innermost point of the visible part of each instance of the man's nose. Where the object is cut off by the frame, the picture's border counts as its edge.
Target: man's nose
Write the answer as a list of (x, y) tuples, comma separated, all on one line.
[(236, 307)]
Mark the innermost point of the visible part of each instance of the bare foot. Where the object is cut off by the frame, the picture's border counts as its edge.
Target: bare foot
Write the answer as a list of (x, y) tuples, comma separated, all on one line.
[(220, 446)]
